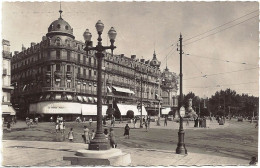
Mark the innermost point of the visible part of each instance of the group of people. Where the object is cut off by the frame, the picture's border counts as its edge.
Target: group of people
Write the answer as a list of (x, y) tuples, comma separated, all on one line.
[(29, 121), (60, 125), (88, 135)]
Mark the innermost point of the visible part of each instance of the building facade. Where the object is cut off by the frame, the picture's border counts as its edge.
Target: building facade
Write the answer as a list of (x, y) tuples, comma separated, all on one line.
[(57, 77), (7, 110)]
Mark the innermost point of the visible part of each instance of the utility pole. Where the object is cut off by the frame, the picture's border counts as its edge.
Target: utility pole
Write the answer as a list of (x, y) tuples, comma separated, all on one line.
[(141, 120), (181, 146)]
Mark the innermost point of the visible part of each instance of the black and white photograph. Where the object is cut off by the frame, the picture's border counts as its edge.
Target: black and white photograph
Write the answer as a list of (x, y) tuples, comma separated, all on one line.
[(129, 83)]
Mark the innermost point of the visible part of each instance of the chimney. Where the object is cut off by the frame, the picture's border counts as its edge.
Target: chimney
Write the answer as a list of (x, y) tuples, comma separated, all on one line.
[(44, 38), (122, 55), (23, 48), (33, 44), (133, 56)]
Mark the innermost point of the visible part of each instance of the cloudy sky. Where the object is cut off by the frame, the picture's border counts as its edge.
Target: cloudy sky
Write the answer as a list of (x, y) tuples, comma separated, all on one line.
[(220, 38)]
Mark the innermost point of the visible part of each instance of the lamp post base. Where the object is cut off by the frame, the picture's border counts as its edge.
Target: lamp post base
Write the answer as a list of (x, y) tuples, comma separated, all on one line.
[(111, 157), (99, 142), (181, 146)]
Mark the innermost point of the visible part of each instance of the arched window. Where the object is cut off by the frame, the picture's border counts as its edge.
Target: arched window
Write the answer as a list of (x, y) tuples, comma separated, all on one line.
[(58, 42)]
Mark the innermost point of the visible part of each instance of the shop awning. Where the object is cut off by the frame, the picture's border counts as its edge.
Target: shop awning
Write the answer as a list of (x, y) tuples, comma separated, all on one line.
[(6, 109), (58, 97), (69, 97), (109, 90), (58, 108), (123, 108), (85, 99), (90, 100), (91, 109), (79, 98), (95, 99), (48, 97), (166, 110), (125, 90)]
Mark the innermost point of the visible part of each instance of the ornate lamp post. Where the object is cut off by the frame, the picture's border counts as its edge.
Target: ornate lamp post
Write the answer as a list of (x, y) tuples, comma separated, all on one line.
[(99, 142), (181, 146)]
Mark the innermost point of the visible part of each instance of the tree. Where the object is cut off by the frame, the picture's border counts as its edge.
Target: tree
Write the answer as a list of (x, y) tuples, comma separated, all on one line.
[(130, 114), (110, 112)]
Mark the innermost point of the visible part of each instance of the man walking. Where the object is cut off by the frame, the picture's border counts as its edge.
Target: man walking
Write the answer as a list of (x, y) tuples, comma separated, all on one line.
[(165, 121)]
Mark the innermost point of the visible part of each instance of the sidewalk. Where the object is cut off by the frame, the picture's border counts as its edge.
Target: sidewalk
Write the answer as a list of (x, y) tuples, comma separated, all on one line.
[(173, 125), (39, 153)]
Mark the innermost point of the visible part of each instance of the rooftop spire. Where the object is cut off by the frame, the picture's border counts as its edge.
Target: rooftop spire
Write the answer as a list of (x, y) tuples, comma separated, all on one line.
[(154, 55), (60, 11)]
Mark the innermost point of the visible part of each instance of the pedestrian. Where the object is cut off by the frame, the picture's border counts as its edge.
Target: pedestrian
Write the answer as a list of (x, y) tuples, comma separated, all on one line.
[(57, 127), (84, 119), (90, 122), (51, 119), (86, 135), (62, 127), (112, 138), (127, 129), (165, 121), (135, 119), (36, 120), (143, 121), (148, 119), (71, 135), (104, 121), (31, 122), (187, 123), (146, 125), (8, 126), (93, 134), (253, 161), (106, 133)]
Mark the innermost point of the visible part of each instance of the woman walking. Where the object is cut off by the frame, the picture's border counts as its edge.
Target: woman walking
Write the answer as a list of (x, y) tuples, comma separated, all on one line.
[(86, 135), (127, 128), (112, 138), (71, 135)]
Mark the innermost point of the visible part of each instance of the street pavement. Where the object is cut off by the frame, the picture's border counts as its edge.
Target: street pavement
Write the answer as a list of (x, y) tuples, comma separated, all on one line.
[(46, 153), (40, 153)]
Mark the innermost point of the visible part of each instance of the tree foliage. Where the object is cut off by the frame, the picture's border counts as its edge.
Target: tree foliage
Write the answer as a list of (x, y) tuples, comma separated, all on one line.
[(224, 103)]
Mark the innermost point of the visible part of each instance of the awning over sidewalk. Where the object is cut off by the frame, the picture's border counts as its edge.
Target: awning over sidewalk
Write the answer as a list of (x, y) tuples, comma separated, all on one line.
[(6, 109), (85, 99), (79, 98), (91, 109), (58, 108), (123, 108), (166, 110), (125, 90)]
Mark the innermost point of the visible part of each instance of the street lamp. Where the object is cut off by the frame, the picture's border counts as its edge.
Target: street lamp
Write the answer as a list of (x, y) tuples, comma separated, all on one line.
[(181, 146), (99, 142)]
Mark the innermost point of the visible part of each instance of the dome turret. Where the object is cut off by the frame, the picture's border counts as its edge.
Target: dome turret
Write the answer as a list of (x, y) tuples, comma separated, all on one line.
[(154, 61), (60, 27)]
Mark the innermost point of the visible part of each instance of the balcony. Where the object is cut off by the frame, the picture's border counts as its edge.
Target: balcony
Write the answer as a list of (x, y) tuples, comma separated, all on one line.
[(48, 74), (59, 89), (58, 74), (68, 74)]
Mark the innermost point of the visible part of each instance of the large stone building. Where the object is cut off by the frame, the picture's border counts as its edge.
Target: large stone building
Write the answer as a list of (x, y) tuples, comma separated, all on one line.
[(57, 77), (7, 110)]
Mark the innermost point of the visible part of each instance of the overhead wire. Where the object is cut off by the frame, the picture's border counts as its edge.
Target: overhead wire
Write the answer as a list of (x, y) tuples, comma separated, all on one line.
[(220, 25), (228, 61), (221, 73), (220, 30)]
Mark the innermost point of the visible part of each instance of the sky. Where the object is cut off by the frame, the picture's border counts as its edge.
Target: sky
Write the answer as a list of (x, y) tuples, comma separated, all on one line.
[(220, 39)]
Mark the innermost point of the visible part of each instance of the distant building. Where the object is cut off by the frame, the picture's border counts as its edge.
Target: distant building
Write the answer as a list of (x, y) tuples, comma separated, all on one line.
[(57, 77), (7, 110)]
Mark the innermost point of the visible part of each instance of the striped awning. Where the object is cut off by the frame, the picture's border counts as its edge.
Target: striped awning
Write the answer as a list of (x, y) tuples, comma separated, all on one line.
[(125, 90), (6, 109), (79, 98)]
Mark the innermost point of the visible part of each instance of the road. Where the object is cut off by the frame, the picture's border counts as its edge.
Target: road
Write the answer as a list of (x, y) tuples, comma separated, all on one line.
[(237, 140)]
